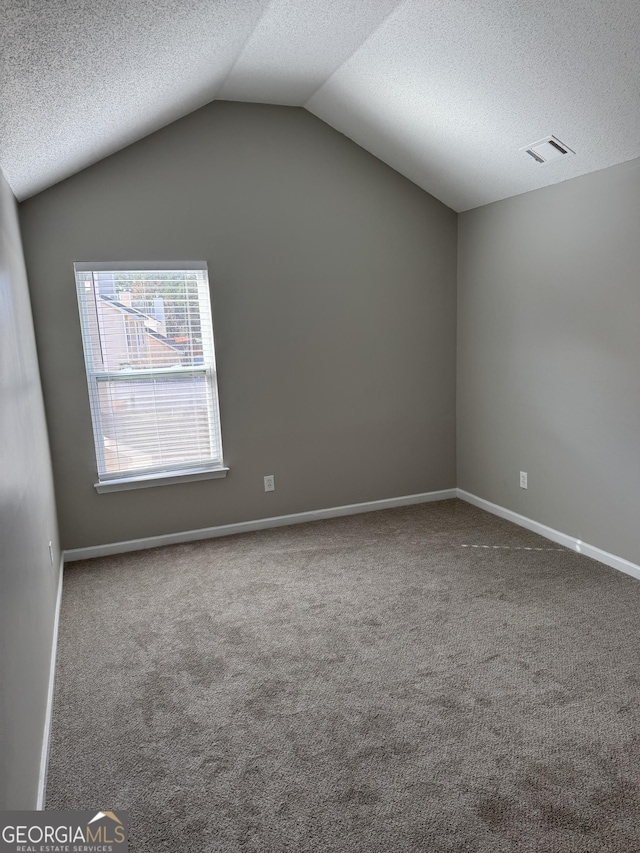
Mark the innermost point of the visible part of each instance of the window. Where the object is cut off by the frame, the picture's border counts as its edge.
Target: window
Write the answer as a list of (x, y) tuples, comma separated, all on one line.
[(149, 354)]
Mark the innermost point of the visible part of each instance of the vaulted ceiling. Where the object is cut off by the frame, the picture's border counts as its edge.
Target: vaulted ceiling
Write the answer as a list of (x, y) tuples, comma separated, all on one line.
[(447, 92)]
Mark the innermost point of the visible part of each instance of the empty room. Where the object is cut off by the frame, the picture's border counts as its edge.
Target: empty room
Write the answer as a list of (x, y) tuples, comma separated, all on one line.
[(319, 444)]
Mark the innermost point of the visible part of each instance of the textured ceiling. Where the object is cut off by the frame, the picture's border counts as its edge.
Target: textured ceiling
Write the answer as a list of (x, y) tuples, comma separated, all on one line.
[(445, 91)]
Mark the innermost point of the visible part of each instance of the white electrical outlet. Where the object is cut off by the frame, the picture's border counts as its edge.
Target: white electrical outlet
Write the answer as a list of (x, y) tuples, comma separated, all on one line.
[(270, 483), (523, 480), (51, 552)]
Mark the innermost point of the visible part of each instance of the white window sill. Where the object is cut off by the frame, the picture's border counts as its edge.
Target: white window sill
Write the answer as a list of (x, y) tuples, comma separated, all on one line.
[(148, 480)]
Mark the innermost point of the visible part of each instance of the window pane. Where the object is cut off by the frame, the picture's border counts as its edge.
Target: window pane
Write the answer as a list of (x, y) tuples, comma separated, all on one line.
[(151, 424), (147, 319), (138, 327)]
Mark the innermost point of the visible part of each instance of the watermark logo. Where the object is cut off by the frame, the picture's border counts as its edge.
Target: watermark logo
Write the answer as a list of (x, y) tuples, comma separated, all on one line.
[(64, 832)]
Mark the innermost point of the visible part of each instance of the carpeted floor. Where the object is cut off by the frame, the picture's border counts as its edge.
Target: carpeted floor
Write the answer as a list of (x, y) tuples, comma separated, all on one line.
[(368, 684)]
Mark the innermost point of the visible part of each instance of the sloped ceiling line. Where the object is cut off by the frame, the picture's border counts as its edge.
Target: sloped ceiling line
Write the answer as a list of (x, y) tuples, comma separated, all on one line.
[(243, 46), (299, 44), (355, 50)]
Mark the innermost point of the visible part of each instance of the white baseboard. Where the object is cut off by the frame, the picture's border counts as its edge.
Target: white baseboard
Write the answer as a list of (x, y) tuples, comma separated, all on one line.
[(257, 524), (46, 735), (571, 542)]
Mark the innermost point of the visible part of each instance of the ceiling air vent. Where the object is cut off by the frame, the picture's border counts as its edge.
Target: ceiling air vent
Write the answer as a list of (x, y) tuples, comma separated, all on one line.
[(547, 150)]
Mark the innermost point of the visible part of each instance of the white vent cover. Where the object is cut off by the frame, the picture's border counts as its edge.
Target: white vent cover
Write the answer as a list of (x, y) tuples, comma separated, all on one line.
[(547, 150)]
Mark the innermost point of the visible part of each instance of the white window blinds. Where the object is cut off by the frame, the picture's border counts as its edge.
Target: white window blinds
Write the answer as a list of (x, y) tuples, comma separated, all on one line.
[(149, 355)]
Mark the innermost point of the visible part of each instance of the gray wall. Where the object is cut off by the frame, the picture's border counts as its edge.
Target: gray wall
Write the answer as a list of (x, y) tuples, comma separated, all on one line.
[(28, 581), (549, 356), (333, 291)]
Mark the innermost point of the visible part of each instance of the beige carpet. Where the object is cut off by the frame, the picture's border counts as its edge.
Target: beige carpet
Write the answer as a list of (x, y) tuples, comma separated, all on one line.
[(370, 684)]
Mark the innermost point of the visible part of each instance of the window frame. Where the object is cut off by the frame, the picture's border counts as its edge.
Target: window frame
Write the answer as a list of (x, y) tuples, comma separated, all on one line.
[(178, 473)]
